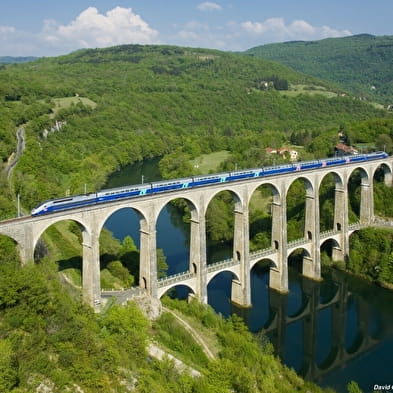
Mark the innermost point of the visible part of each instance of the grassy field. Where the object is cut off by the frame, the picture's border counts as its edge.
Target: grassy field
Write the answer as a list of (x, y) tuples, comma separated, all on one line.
[(295, 90), (65, 102), (210, 162)]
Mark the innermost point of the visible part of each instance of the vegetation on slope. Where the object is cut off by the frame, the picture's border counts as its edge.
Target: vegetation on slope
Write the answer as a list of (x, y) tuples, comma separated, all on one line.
[(150, 101), (50, 341), (360, 64)]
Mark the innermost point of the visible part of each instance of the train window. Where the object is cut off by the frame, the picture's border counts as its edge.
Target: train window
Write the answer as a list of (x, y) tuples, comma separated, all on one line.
[(63, 200)]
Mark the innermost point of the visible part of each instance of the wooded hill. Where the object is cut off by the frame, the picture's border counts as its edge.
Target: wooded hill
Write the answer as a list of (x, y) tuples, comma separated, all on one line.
[(123, 104), (361, 64)]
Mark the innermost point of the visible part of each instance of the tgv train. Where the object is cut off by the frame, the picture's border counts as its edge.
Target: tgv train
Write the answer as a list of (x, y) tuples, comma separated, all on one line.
[(133, 191)]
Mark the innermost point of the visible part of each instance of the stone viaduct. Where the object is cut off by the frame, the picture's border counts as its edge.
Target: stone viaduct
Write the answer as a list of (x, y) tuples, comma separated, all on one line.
[(26, 231)]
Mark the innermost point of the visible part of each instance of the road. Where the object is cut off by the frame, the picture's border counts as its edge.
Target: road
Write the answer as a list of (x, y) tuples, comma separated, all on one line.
[(20, 147)]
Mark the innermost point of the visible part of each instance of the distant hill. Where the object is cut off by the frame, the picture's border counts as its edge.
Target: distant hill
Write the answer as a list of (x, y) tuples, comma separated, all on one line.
[(11, 59), (360, 63), (124, 104)]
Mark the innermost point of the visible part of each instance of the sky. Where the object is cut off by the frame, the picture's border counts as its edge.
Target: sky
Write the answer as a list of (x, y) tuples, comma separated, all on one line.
[(52, 28)]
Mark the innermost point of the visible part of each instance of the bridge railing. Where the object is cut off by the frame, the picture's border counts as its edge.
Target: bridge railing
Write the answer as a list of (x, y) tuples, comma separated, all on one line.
[(355, 225), (221, 264), (162, 282), (297, 242), (263, 252), (330, 232), (134, 291)]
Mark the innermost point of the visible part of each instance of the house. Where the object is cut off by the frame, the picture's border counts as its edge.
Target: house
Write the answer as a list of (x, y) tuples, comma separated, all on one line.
[(285, 152), (343, 150)]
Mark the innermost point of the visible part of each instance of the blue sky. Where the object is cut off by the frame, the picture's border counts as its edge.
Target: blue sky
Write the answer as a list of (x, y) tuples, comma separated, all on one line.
[(51, 28)]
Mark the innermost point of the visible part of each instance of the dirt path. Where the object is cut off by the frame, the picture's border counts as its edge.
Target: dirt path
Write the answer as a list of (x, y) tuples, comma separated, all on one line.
[(159, 354), (193, 333), (20, 135)]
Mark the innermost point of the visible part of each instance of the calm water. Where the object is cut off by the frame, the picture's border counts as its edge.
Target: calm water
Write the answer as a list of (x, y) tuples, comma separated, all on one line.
[(330, 332)]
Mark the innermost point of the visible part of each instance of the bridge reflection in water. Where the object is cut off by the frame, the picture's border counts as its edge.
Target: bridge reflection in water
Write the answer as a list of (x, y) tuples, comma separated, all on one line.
[(321, 327)]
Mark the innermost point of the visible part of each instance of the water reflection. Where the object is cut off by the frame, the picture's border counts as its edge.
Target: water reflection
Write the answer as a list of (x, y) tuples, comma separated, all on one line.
[(330, 332), (323, 329)]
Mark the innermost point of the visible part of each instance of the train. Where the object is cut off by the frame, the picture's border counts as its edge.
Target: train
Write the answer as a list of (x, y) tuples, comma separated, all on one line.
[(134, 191)]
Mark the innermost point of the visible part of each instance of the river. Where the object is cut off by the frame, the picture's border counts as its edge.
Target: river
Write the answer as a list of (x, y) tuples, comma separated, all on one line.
[(331, 332)]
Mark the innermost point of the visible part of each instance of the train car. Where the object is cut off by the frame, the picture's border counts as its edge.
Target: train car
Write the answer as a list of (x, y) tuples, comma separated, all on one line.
[(209, 179), (196, 181), (71, 202), (169, 185), (244, 174), (276, 170), (123, 192)]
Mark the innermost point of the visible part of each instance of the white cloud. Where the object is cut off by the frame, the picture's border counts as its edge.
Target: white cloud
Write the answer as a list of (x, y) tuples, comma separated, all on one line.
[(275, 29), (6, 30), (209, 6), (91, 29)]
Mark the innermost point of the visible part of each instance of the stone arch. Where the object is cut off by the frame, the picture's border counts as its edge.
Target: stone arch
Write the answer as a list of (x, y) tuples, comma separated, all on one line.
[(330, 190), (109, 212), (225, 284), (360, 194), (45, 224), (387, 173), (266, 261), (186, 238), (300, 212), (186, 291), (212, 277), (264, 216), (117, 270), (297, 258), (330, 250), (382, 190), (66, 238), (224, 232), (239, 202)]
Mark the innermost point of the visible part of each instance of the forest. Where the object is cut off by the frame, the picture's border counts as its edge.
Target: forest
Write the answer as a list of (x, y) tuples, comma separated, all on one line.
[(120, 105), (151, 101), (358, 64)]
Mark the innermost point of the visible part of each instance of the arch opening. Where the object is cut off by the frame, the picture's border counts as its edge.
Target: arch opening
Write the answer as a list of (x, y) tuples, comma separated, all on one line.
[(178, 237), (263, 212), (220, 226), (120, 250), (358, 183), (329, 191), (180, 292), (383, 191), (219, 293), (62, 243), (298, 199), (330, 250)]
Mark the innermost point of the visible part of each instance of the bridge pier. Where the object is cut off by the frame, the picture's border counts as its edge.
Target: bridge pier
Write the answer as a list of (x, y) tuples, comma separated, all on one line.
[(91, 268), (278, 275), (148, 257), (312, 264), (198, 255), (366, 201), (241, 289), (341, 218)]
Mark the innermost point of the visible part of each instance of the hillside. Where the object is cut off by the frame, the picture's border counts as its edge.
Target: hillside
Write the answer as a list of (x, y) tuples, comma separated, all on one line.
[(360, 63), (122, 104)]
